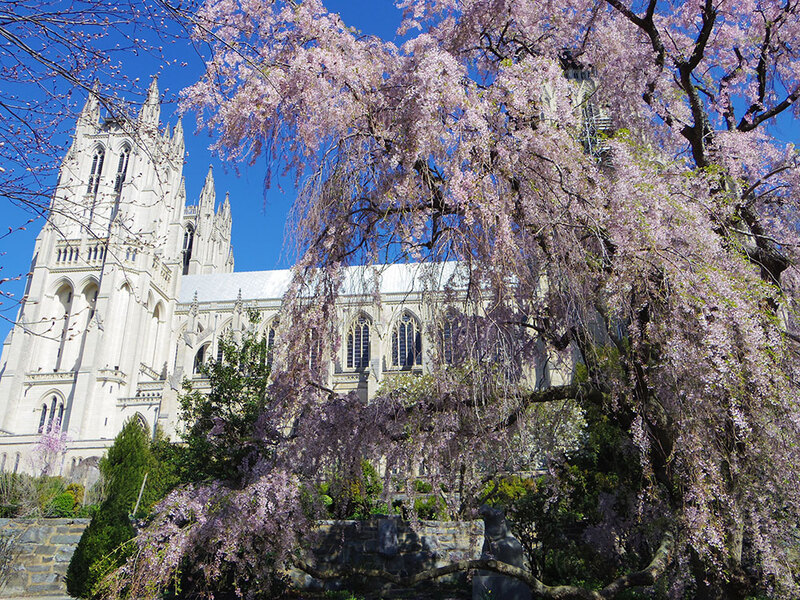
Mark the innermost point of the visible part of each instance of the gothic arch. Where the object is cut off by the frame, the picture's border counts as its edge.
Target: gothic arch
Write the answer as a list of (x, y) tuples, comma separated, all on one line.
[(98, 146), (141, 420), (52, 406), (96, 168), (124, 156), (156, 333), (269, 334), (188, 245), (120, 145), (86, 282), (56, 286), (200, 357)]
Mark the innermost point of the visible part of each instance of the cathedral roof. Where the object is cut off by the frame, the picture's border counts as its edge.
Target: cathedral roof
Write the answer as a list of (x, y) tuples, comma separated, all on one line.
[(359, 281)]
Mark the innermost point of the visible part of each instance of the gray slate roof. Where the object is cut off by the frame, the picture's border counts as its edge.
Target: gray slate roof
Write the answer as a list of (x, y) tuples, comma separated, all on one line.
[(359, 281)]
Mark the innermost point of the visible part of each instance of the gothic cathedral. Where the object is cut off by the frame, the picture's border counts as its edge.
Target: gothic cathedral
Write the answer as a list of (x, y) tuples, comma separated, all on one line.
[(131, 289)]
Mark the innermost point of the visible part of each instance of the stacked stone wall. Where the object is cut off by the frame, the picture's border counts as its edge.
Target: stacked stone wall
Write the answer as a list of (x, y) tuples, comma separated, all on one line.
[(393, 545), (42, 549)]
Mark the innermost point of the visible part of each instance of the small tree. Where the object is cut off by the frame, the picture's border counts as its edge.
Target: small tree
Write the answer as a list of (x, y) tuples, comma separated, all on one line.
[(101, 547), (221, 423)]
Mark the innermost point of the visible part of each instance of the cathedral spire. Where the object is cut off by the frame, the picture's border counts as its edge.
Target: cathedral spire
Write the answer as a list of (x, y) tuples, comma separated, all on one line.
[(177, 136), (182, 191), (225, 208), (90, 115), (151, 109), (208, 195)]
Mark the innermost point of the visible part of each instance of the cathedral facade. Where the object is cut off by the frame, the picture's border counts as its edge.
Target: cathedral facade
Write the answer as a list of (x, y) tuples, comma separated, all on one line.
[(131, 287)]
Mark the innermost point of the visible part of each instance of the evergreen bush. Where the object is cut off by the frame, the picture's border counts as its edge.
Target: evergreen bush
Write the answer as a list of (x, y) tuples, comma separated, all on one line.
[(124, 468)]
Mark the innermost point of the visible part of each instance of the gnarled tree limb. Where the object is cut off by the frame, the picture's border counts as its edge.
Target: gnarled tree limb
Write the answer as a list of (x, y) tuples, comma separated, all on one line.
[(644, 577)]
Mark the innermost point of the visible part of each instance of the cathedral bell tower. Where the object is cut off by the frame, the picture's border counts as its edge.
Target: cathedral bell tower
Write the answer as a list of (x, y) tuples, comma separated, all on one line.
[(93, 342)]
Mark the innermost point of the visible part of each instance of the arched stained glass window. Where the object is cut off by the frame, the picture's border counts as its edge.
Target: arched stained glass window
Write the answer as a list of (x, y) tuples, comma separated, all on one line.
[(142, 422), (406, 342), (60, 420), (52, 413), (358, 344)]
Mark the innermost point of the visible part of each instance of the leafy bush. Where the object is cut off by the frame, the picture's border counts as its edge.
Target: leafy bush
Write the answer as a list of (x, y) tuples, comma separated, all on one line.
[(62, 505), (354, 497), (597, 490), (431, 508)]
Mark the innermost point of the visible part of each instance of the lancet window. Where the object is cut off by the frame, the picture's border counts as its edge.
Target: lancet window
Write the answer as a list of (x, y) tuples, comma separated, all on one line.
[(271, 341), (447, 341), (406, 342), (358, 344), (199, 359), (43, 418), (97, 169), (188, 242), (53, 417), (122, 168)]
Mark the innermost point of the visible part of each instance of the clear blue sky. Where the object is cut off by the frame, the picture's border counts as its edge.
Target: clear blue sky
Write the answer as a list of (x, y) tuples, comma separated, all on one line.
[(258, 217)]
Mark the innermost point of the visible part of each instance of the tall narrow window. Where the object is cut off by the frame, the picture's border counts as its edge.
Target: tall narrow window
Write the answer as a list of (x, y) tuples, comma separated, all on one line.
[(90, 297), (271, 342), (43, 418), (122, 169), (52, 413), (64, 296), (406, 342), (188, 242), (97, 170), (60, 419), (142, 422), (358, 344)]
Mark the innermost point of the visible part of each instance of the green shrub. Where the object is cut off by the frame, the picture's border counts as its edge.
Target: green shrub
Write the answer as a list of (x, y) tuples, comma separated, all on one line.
[(422, 487), (431, 508), (353, 497), (62, 505), (78, 492), (101, 549)]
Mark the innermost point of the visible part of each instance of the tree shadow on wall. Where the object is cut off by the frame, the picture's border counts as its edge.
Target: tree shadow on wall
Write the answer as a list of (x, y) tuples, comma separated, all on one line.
[(348, 555)]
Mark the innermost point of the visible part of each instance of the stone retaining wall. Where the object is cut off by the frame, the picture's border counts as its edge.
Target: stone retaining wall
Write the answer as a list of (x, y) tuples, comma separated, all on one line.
[(393, 545), (43, 550), (46, 546)]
